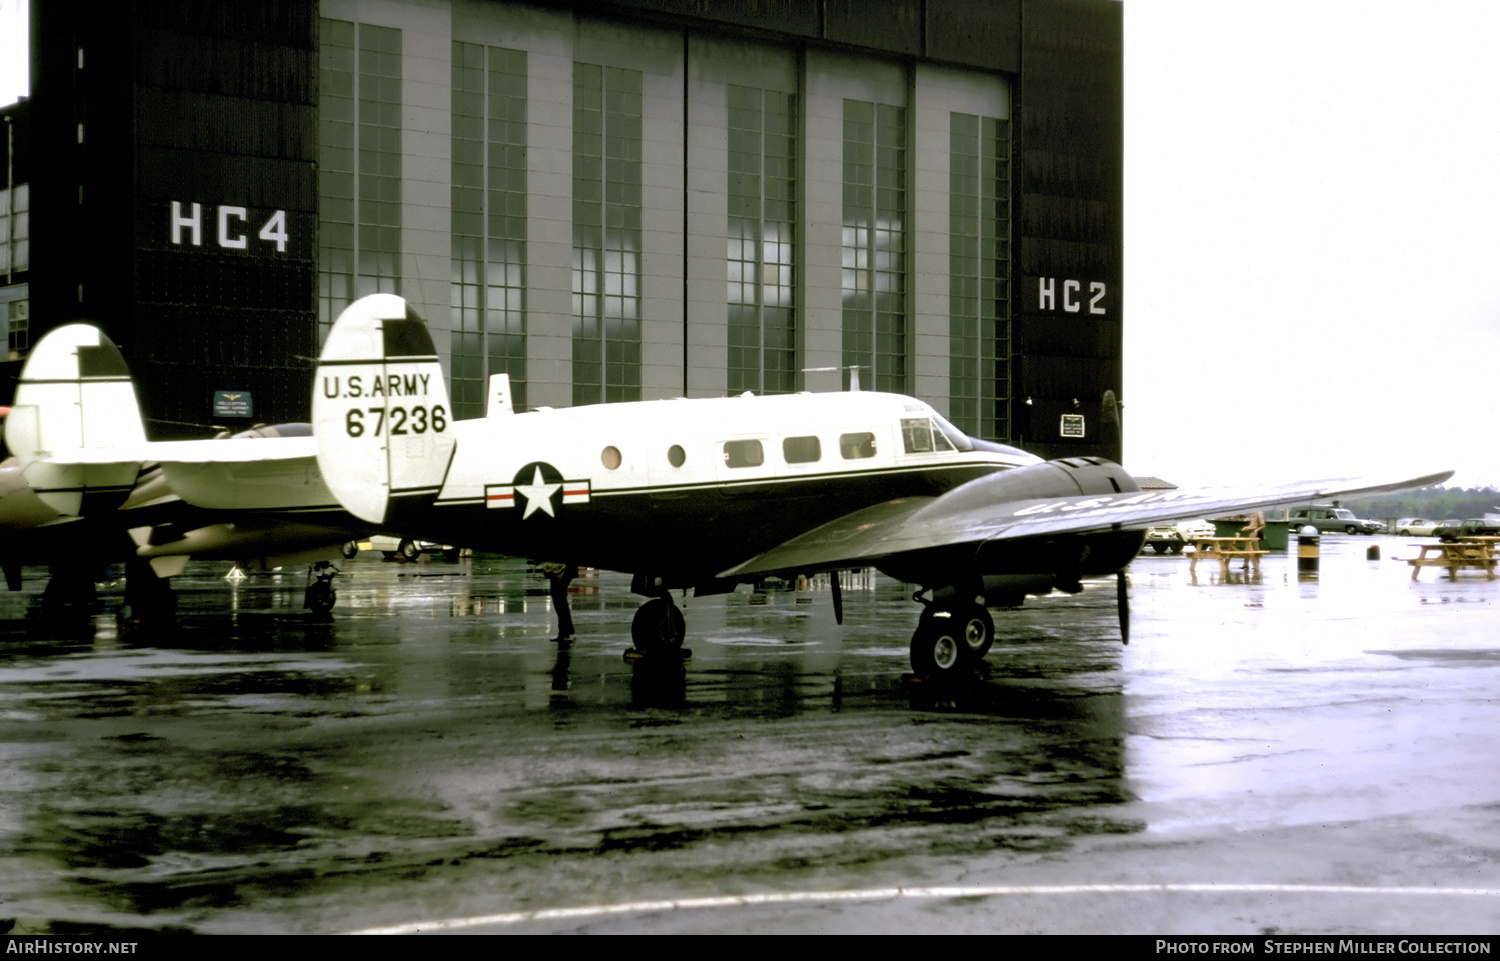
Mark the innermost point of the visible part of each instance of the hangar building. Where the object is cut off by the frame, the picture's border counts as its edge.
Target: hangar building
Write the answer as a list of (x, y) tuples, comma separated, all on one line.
[(608, 201)]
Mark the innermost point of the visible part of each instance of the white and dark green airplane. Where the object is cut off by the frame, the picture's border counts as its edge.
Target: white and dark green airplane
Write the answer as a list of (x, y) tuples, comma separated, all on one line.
[(702, 494), (697, 494)]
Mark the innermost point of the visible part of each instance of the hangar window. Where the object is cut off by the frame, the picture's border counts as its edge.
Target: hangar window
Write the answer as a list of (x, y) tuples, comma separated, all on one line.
[(857, 446), (979, 329), (743, 453), (607, 210), (762, 217), (801, 450), (874, 242), (359, 164), (489, 203)]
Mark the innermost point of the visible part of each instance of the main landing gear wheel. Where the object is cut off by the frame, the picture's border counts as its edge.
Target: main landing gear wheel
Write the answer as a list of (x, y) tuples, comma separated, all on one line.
[(940, 647), (979, 631), (658, 627)]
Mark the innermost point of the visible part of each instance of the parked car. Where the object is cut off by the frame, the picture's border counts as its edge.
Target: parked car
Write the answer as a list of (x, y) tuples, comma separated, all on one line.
[(1416, 526), (1173, 538), (1470, 527), (1327, 519), (401, 548)]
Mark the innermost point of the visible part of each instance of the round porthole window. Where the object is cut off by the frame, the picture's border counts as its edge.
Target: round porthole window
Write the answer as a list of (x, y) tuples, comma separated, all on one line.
[(610, 457), (676, 455)]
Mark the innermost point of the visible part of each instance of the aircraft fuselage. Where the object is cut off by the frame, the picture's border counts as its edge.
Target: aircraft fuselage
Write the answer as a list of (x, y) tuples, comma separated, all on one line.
[(685, 489)]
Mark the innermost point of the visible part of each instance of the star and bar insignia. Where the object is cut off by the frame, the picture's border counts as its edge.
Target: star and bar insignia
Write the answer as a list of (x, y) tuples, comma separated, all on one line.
[(540, 487)]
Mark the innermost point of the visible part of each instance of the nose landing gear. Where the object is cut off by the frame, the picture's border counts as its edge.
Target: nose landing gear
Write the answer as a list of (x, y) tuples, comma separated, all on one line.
[(320, 595), (658, 626)]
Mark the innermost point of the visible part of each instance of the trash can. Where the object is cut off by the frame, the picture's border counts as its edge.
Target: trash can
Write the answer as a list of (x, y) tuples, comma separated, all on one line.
[(1273, 538)]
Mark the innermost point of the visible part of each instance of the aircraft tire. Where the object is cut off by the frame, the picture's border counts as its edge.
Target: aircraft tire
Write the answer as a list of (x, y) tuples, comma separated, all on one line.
[(938, 648), (979, 631), (409, 550), (350, 549), (658, 626)]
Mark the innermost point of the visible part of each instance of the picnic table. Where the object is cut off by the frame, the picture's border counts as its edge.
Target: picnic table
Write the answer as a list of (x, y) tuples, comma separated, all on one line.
[(1477, 552), (1224, 550)]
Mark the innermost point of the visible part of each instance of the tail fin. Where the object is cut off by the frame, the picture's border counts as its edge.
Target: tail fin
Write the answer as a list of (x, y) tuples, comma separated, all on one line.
[(381, 413), (76, 425)]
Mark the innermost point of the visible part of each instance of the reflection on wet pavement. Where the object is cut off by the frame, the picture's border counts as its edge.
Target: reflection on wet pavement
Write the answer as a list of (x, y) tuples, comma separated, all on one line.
[(426, 752), (257, 762)]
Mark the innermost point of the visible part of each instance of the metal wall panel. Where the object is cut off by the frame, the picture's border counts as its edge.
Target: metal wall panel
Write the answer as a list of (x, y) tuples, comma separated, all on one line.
[(890, 25), (225, 128), (978, 33), (795, 17), (1069, 226)]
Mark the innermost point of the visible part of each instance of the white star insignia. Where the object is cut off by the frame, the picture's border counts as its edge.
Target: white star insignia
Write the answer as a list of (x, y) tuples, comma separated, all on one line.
[(538, 495)]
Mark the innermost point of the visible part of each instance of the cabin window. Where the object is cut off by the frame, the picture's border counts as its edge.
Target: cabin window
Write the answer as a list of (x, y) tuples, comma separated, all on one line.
[(743, 453), (676, 456), (916, 434), (801, 450), (857, 446), (610, 457)]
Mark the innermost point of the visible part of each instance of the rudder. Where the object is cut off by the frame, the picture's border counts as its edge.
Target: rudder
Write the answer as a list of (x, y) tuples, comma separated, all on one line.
[(75, 412), (381, 413)]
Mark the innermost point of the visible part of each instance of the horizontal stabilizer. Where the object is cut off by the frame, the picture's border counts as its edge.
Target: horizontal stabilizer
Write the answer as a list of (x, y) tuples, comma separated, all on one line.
[(188, 452)]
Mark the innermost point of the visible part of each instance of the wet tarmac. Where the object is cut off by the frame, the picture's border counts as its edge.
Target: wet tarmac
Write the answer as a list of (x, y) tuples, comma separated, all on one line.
[(1278, 756)]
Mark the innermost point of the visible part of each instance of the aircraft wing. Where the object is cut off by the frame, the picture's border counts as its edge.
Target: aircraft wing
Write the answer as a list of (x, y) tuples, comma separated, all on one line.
[(965, 515)]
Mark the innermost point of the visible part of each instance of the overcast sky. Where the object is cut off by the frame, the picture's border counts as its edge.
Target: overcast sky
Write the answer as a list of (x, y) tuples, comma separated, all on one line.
[(1312, 236), (1312, 211)]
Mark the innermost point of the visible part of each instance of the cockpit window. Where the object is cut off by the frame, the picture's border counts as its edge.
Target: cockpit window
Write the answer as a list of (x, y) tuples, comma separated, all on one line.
[(956, 437), (916, 434)]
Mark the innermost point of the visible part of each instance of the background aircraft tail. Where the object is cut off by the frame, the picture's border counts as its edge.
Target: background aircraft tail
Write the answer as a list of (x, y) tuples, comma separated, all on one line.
[(381, 412), (75, 402)]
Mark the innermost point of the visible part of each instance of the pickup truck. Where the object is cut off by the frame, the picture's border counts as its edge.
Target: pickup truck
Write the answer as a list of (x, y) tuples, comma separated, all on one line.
[(1327, 519)]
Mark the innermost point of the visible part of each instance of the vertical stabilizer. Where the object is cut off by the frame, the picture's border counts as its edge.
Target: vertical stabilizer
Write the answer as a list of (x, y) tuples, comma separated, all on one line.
[(381, 412), (75, 401)]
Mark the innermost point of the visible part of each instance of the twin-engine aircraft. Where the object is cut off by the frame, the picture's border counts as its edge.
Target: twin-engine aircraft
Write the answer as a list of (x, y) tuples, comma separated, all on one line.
[(703, 494)]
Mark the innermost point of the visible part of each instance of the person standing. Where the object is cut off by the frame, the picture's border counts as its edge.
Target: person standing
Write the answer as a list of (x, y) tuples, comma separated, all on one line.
[(559, 576)]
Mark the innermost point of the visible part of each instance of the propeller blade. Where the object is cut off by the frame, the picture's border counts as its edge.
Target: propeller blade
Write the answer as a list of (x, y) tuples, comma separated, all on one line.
[(838, 597), (1122, 600)]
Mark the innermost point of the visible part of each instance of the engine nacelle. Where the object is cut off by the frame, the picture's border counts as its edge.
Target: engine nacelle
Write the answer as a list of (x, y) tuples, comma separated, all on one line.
[(1012, 568)]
